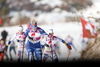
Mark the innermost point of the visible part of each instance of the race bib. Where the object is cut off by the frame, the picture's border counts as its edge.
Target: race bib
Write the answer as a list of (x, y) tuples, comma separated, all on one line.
[(48, 48)]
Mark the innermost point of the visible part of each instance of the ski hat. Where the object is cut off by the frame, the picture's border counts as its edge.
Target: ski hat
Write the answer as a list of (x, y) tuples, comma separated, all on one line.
[(20, 27), (33, 23)]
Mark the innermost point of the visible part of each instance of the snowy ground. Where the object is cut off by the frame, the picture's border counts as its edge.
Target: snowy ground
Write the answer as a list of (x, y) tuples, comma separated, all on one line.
[(61, 30)]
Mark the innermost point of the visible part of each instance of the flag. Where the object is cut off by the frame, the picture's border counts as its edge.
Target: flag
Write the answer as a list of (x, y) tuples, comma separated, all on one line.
[(0, 21), (88, 29)]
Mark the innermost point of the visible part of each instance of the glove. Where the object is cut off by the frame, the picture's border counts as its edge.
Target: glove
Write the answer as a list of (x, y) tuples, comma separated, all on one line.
[(46, 45), (6, 48), (69, 47)]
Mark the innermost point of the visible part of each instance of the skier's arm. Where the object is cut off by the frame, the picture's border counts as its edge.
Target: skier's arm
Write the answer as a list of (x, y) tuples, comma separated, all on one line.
[(26, 31), (9, 42), (12, 39), (42, 32), (68, 46)]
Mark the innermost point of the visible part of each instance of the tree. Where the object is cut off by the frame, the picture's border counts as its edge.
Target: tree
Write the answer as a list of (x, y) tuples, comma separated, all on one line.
[(72, 5), (4, 10)]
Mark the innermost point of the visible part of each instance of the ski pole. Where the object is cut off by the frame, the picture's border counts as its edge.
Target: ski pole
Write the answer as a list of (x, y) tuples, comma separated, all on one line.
[(74, 47), (22, 50), (68, 54), (51, 49)]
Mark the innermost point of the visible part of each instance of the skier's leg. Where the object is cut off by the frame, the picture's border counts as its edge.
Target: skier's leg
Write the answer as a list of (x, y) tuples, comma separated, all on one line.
[(22, 54), (58, 49), (10, 49), (14, 50), (30, 55), (55, 57), (44, 57), (5, 53), (30, 51), (19, 56), (38, 53), (10, 53)]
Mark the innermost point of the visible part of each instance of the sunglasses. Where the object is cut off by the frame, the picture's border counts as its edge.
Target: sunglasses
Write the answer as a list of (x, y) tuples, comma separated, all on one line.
[(33, 25)]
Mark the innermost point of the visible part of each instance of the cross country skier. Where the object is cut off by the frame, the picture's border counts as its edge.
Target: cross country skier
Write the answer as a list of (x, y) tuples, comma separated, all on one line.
[(33, 44), (83, 42), (50, 46), (20, 38), (12, 47), (69, 40)]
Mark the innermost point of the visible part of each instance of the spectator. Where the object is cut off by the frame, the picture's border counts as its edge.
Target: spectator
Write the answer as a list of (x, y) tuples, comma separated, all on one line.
[(2, 48), (4, 35)]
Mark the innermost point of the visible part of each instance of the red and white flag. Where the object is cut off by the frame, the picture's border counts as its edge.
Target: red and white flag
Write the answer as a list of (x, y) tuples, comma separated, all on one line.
[(89, 30)]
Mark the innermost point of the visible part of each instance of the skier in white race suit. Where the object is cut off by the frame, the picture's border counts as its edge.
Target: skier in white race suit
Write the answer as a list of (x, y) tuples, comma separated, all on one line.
[(20, 38), (50, 43)]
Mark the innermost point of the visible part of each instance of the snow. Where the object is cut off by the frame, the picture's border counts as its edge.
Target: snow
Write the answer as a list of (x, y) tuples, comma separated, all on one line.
[(61, 30)]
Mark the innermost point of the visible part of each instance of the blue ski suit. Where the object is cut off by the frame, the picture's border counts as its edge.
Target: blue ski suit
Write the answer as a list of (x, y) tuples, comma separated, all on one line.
[(33, 45)]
